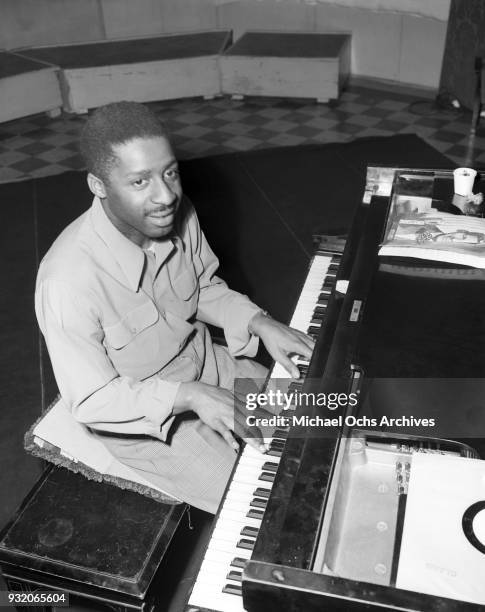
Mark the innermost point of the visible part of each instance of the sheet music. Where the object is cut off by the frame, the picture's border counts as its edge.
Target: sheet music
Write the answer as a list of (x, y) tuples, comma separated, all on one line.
[(444, 528)]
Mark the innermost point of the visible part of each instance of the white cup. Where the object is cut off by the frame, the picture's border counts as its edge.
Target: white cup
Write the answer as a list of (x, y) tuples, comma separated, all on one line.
[(463, 179)]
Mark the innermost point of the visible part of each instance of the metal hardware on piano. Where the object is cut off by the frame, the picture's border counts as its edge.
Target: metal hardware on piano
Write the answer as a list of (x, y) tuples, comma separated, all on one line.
[(283, 537)]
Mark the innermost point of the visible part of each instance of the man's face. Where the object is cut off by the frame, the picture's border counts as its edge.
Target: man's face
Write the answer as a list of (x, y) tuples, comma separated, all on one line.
[(143, 190)]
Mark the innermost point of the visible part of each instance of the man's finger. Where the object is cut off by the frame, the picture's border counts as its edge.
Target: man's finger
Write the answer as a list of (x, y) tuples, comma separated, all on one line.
[(258, 445), (252, 435), (308, 340), (304, 346), (289, 366), (229, 438)]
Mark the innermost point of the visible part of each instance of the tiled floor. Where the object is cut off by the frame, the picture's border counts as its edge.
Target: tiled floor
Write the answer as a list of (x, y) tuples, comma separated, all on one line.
[(39, 146)]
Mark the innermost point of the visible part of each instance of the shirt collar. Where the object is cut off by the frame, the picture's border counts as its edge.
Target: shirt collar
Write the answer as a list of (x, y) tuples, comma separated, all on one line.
[(128, 255)]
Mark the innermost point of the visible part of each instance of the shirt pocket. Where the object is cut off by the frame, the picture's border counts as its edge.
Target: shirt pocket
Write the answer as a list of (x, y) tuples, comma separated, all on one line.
[(186, 284), (133, 344), (131, 325), (198, 265), (144, 341), (185, 294)]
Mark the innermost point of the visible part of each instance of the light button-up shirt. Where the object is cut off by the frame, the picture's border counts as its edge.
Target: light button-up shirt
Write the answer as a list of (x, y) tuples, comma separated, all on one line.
[(120, 342)]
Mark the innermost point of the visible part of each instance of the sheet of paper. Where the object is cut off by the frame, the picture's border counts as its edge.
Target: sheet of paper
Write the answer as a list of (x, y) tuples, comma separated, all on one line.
[(440, 552)]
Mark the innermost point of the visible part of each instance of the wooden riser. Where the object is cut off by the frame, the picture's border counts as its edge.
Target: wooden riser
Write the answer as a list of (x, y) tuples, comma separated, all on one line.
[(143, 69), (86, 88), (27, 87), (245, 70)]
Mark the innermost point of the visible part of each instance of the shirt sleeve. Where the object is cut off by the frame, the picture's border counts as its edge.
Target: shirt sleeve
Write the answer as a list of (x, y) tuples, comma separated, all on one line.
[(87, 380), (219, 305)]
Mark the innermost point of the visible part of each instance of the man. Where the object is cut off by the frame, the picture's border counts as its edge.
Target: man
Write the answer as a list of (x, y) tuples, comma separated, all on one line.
[(122, 299)]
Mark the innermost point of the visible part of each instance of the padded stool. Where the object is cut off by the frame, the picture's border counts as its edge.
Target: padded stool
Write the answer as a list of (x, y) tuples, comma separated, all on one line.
[(93, 540)]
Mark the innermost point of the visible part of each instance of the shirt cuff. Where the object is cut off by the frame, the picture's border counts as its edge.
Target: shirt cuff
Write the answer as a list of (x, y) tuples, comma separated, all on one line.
[(162, 403), (239, 341)]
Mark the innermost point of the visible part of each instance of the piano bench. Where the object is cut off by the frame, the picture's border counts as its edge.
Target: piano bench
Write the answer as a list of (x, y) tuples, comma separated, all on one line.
[(96, 542)]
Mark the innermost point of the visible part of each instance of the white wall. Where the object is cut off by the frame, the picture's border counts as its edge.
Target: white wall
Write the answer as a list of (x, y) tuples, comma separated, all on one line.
[(41, 22), (404, 45)]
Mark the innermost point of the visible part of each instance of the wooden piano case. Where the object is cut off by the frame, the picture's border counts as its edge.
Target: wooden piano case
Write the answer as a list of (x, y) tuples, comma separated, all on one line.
[(405, 330)]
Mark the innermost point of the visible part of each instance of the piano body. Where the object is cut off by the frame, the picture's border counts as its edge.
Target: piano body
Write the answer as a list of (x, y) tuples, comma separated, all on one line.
[(406, 336)]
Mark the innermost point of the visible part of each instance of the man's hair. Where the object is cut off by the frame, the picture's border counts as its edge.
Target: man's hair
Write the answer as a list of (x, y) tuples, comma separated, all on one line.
[(114, 124)]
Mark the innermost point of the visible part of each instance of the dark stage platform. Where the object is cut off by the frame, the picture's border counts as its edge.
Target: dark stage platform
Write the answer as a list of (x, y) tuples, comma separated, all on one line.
[(90, 55), (281, 44)]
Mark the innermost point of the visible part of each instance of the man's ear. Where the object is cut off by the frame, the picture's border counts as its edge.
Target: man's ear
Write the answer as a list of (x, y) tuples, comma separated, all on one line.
[(96, 185)]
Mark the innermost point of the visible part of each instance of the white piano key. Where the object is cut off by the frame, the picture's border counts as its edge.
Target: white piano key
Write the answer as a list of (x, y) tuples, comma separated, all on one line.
[(205, 598), (226, 557)]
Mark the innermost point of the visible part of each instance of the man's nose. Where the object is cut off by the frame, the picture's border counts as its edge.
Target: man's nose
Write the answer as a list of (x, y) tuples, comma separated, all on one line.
[(162, 194)]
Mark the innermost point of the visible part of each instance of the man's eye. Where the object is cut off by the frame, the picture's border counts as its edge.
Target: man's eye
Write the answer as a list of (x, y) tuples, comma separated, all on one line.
[(139, 182), (172, 174)]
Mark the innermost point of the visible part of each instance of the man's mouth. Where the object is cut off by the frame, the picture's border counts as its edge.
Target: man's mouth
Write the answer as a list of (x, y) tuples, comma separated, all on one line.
[(162, 216), (165, 212)]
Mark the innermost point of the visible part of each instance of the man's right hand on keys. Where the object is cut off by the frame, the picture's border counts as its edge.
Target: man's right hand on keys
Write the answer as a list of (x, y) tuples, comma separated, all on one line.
[(221, 410)]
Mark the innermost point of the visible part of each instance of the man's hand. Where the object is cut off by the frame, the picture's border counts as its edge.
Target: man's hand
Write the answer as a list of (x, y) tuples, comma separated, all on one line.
[(221, 410), (281, 341)]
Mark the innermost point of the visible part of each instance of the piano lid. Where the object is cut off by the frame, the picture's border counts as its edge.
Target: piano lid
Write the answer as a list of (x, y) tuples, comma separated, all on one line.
[(423, 322)]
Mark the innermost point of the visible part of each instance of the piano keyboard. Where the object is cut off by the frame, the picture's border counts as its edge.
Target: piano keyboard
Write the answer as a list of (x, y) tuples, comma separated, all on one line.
[(219, 581)]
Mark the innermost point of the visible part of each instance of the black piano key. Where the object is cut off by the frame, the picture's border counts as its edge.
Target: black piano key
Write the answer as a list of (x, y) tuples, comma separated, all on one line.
[(255, 513), (232, 589), (277, 444), (261, 492), (245, 543), (267, 476), (258, 502), (280, 441), (282, 434), (273, 452), (270, 466), (251, 532), (321, 309), (237, 576), (333, 267), (238, 562)]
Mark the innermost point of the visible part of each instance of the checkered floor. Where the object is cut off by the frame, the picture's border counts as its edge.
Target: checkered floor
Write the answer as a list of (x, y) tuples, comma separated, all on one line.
[(39, 146)]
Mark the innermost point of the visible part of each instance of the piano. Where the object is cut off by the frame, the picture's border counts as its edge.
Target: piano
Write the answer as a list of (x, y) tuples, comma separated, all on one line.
[(282, 537)]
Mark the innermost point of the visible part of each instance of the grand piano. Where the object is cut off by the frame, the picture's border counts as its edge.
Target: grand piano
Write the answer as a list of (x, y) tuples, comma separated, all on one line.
[(297, 527)]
